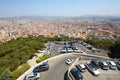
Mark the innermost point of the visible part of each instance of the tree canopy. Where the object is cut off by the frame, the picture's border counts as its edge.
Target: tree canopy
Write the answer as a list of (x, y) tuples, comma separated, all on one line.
[(16, 52), (115, 49)]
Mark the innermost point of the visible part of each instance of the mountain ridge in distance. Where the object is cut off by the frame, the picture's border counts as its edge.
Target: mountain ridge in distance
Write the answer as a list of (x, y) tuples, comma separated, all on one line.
[(62, 17)]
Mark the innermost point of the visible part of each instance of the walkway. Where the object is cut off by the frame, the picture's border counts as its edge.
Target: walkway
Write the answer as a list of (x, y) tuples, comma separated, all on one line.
[(32, 62)]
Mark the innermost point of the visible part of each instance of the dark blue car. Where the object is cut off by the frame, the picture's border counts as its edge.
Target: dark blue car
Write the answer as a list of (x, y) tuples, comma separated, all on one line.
[(76, 74)]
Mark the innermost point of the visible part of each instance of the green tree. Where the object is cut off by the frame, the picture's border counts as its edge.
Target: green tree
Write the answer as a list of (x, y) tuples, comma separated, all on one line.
[(115, 49), (5, 75), (103, 44)]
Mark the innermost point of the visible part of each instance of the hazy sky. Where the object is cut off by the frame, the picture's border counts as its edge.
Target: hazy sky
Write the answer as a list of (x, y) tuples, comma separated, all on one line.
[(10, 8)]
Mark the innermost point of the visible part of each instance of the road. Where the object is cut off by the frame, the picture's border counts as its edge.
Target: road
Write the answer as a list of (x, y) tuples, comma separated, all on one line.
[(57, 68)]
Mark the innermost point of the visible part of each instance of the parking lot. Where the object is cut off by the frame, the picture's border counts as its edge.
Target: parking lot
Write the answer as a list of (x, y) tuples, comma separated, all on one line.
[(104, 74), (56, 49)]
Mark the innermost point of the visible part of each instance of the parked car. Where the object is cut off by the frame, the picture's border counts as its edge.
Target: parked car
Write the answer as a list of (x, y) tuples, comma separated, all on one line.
[(42, 67), (89, 47), (69, 50), (84, 44), (112, 65), (32, 76), (76, 74), (92, 69), (81, 67), (104, 65), (76, 49), (95, 63), (118, 64), (64, 51), (69, 61)]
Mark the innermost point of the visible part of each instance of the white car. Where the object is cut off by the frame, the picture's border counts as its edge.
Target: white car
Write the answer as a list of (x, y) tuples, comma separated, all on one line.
[(104, 65), (70, 50), (112, 65), (32, 76), (76, 50), (69, 61), (92, 69), (81, 67), (63, 51)]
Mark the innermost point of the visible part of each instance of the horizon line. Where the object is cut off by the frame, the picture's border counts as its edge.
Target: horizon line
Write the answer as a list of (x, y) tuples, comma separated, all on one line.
[(87, 15)]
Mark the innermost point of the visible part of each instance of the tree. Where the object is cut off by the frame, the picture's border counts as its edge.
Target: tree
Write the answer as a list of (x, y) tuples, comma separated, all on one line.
[(103, 44), (115, 49), (5, 75)]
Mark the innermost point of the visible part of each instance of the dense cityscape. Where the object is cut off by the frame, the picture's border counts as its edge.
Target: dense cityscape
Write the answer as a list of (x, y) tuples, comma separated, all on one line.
[(86, 28)]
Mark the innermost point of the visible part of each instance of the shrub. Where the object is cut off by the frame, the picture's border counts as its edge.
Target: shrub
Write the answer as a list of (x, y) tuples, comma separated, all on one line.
[(5, 75), (19, 71), (44, 57)]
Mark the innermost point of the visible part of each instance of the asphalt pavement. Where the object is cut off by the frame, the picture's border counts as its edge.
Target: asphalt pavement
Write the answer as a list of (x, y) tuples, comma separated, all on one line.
[(57, 69)]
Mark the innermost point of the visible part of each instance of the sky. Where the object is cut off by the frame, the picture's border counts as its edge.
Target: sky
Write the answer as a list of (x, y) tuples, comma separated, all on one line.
[(11, 8)]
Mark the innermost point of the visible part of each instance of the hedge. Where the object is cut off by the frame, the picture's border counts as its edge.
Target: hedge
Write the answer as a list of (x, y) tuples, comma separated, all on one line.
[(44, 57), (5, 75), (19, 71)]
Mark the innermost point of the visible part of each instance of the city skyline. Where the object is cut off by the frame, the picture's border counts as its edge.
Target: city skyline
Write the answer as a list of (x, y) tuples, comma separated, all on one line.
[(59, 7)]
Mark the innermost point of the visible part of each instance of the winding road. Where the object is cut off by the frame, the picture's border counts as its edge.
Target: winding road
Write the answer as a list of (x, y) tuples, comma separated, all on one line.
[(57, 68)]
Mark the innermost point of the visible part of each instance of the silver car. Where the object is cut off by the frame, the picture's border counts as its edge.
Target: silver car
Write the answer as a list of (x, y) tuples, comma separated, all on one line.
[(81, 67), (112, 65), (32, 76), (64, 51), (104, 65), (92, 69), (69, 61), (69, 50)]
